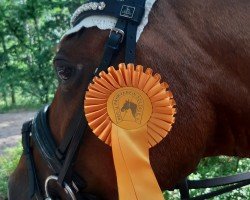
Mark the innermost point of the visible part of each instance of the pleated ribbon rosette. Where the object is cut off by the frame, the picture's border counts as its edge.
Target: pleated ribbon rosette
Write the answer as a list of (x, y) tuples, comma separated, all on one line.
[(131, 110)]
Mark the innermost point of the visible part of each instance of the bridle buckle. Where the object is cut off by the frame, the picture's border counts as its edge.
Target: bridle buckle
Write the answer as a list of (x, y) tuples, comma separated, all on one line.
[(117, 31), (66, 188)]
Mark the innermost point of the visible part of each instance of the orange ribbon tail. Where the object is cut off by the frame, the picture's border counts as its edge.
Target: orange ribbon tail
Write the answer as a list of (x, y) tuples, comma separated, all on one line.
[(135, 177)]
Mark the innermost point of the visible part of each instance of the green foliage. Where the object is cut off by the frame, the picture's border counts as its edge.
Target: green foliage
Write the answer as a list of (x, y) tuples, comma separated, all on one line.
[(26, 106), (29, 34), (8, 163)]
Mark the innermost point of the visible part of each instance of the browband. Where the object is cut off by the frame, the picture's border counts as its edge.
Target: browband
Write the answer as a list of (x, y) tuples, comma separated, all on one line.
[(130, 10)]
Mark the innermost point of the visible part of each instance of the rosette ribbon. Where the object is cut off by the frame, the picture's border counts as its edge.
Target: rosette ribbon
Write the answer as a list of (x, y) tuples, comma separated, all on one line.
[(131, 110)]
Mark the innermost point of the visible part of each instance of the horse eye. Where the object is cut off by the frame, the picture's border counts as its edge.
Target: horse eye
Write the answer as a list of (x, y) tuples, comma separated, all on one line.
[(64, 73)]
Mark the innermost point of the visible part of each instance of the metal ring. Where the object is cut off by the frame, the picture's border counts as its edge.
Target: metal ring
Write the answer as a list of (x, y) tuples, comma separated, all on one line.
[(66, 187), (117, 31)]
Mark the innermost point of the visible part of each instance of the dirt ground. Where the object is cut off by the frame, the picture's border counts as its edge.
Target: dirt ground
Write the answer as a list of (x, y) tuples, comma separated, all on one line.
[(10, 128)]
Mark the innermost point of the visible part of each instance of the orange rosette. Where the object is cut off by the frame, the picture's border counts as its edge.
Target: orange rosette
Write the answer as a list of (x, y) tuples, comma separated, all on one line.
[(131, 110)]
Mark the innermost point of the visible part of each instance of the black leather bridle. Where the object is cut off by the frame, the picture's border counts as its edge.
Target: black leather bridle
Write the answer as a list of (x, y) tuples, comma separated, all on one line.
[(60, 158)]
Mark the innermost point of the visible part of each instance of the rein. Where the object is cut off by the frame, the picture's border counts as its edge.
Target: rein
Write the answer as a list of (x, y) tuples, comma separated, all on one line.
[(60, 159), (234, 182)]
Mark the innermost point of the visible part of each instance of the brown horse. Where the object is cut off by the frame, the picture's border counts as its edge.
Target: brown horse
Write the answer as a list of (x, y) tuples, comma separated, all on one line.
[(202, 49)]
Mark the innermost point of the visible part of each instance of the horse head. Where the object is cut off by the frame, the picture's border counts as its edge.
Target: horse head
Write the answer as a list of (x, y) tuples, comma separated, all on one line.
[(125, 106), (178, 45)]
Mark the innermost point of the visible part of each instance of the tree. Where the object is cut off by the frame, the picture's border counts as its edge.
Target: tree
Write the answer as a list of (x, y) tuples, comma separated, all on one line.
[(30, 31)]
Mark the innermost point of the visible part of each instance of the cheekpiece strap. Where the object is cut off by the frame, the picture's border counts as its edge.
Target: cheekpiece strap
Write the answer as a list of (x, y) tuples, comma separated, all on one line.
[(34, 189), (112, 45)]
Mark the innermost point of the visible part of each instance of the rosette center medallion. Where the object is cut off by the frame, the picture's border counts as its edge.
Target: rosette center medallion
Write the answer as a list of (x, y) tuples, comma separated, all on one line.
[(129, 108)]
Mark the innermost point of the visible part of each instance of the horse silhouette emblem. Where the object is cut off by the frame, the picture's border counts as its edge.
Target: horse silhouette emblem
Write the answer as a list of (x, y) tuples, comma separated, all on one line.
[(129, 105)]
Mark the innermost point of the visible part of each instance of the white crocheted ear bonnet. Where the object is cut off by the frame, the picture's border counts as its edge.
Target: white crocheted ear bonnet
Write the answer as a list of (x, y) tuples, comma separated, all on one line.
[(108, 22)]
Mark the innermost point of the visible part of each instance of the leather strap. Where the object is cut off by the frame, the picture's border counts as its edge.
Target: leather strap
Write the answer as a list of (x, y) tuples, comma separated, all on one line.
[(235, 181), (215, 182), (184, 190), (73, 147), (43, 139), (131, 33), (220, 191), (27, 152), (130, 43), (112, 45)]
